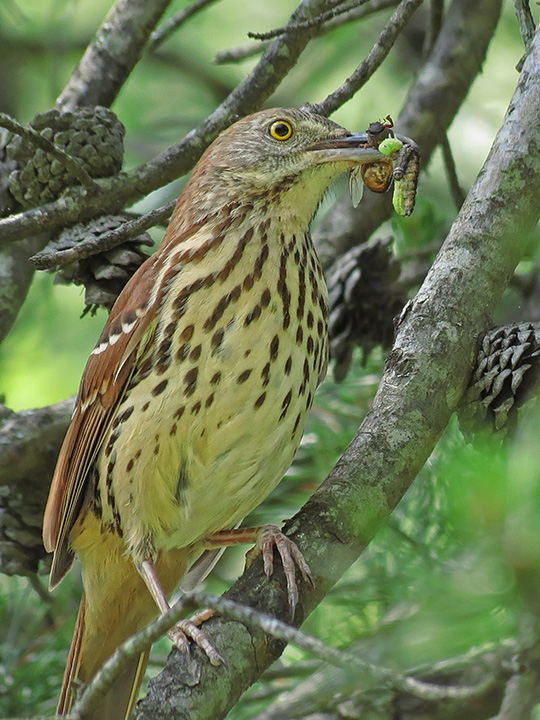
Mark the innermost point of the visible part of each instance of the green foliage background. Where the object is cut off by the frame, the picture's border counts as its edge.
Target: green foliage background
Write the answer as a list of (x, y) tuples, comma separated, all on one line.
[(458, 562)]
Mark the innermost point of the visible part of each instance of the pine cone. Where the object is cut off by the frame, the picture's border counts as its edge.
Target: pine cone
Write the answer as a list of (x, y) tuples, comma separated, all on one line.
[(92, 135), (105, 274), (363, 302), (507, 371)]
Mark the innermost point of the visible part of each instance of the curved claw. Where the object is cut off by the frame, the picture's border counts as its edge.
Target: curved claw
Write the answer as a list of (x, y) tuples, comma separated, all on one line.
[(268, 537), (187, 630)]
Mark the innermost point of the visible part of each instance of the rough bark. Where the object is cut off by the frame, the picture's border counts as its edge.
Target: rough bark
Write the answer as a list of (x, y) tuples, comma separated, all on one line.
[(424, 378), (29, 445)]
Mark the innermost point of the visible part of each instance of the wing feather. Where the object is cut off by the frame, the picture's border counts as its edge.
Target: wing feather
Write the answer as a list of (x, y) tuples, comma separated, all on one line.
[(102, 389)]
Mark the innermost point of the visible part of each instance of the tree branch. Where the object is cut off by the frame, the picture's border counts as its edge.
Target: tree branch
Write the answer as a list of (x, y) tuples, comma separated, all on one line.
[(159, 36), (57, 258), (110, 58), (132, 647), (242, 53), (377, 54), (423, 381), (29, 446), (428, 111), (96, 81), (126, 188)]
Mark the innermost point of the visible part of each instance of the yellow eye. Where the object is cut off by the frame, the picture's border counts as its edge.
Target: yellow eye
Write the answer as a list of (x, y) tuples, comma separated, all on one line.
[(281, 130)]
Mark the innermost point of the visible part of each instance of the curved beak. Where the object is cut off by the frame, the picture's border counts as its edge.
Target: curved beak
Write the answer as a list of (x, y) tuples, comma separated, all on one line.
[(352, 148)]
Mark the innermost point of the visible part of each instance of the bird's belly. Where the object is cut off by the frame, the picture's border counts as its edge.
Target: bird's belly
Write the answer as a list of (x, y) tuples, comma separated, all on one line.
[(215, 424), (189, 466)]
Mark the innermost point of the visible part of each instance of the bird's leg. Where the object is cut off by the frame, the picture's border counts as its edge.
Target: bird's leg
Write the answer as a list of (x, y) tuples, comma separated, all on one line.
[(266, 537), (184, 630)]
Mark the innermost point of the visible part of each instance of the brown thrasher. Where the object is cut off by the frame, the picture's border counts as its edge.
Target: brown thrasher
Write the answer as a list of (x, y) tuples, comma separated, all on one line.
[(195, 398)]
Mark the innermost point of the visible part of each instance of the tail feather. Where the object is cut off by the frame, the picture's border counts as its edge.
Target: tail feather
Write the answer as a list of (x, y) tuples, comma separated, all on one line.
[(115, 605), (119, 702)]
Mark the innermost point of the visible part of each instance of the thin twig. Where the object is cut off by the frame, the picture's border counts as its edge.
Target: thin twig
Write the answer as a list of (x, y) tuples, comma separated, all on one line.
[(458, 195), (68, 161), (315, 22), (376, 55), (433, 25), (48, 259), (132, 647), (163, 33), (246, 51)]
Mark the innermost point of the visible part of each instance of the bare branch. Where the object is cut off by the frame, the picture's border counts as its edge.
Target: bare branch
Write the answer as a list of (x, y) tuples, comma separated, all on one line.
[(159, 36), (132, 647), (56, 258), (110, 58), (314, 23), (125, 189), (376, 55), (458, 196), (242, 53)]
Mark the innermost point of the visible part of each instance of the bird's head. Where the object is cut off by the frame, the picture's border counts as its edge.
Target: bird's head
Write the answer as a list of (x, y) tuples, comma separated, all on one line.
[(285, 156)]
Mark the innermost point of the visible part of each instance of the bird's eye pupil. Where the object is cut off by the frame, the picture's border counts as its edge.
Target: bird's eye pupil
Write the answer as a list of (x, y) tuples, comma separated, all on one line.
[(281, 130)]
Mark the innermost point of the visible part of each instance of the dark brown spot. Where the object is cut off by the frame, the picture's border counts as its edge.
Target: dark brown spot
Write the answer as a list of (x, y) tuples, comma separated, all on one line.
[(263, 256), (309, 345), (183, 351), (265, 298), (178, 414), (235, 258), (209, 400), (181, 483), (169, 330), (310, 319), (145, 406), (123, 416), (196, 408), (265, 374), (299, 335), (285, 404), (187, 333), (252, 315), (217, 339), (138, 454), (164, 346), (160, 387), (145, 369), (288, 365), (110, 445), (215, 378), (130, 465), (190, 379), (274, 347), (259, 401), (249, 281), (296, 423), (243, 376), (174, 428), (195, 354)]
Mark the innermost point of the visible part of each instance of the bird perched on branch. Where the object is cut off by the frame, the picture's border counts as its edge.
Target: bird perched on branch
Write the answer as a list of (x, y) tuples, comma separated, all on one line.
[(195, 398)]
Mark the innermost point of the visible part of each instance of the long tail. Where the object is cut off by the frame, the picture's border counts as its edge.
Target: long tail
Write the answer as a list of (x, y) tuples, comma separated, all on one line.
[(115, 605)]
